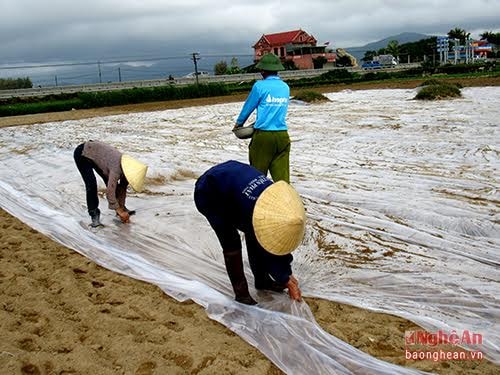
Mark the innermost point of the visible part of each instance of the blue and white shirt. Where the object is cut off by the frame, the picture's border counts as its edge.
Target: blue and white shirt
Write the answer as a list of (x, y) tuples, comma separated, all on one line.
[(270, 97)]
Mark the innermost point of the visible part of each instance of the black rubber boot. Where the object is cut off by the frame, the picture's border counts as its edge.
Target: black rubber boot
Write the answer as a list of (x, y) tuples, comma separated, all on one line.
[(95, 215), (234, 267)]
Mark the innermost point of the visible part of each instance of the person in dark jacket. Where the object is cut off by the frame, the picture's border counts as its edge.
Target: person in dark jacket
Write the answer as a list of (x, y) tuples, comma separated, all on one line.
[(116, 170), (235, 196)]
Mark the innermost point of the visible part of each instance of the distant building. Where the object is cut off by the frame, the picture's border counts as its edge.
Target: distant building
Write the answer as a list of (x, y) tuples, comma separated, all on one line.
[(481, 48), (452, 51), (297, 46)]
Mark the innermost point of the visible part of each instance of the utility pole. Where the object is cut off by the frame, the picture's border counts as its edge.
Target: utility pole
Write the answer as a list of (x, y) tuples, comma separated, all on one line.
[(55, 79), (195, 60), (468, 50), (456, 48), (119, 74), (99, 67)]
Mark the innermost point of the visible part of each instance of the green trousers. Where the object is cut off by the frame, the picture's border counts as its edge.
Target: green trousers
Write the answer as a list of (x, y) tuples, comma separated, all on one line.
[(270, 151)]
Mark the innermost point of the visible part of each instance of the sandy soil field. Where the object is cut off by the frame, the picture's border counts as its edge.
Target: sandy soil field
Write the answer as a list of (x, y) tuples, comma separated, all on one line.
[(63, 314)]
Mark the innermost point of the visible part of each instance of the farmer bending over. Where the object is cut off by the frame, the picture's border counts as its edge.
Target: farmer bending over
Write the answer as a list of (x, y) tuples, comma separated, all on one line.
[(116, 170), (235, 196)]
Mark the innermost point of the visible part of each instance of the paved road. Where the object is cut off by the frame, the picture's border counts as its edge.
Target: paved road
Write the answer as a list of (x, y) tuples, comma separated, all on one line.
[(289, 74)]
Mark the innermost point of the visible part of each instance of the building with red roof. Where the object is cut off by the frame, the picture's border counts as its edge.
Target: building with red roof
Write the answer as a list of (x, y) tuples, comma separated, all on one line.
[(296, 46)]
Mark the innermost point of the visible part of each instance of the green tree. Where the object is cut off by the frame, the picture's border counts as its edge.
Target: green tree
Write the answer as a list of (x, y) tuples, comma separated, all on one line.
[(458, 33), (494, 39), (15, 83), (369, 56), (415, 51), (491, 37), (220, 68), (392, 48), (234, 67)]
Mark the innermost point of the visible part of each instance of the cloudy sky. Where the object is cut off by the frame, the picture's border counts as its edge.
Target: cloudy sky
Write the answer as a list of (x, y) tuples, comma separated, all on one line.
[(51, 30)]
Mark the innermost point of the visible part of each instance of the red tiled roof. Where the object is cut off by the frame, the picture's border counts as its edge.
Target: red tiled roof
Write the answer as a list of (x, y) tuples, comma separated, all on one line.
[(282, 38)]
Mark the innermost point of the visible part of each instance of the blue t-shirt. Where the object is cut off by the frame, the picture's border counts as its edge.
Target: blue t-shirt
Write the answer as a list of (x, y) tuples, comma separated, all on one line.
[(270, 97)]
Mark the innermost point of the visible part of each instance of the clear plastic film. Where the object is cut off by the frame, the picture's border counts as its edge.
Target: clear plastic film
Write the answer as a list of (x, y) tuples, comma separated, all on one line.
[(401, 198)]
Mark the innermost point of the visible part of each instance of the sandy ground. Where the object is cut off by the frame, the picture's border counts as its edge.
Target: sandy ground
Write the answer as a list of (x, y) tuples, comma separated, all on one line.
[(63, 314)]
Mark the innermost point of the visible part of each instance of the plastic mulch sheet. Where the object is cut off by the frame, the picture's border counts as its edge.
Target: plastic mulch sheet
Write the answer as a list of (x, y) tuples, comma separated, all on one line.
[(401, 197)]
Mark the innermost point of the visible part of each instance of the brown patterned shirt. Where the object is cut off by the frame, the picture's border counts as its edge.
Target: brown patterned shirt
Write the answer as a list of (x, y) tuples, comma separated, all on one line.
[(108, 160)]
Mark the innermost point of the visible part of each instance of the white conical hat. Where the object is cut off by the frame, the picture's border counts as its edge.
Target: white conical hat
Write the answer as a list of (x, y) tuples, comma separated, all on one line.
[(134, 171), (279, 219)]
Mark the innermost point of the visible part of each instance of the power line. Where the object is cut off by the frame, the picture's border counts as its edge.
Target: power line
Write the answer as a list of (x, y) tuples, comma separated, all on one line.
[(112, 69), (230, 55), (196, 57), (139, 59), (90, 63)]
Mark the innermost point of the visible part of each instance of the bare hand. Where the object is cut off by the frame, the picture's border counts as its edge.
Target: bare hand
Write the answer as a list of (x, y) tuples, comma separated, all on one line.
[(124, 215), (293, 289)]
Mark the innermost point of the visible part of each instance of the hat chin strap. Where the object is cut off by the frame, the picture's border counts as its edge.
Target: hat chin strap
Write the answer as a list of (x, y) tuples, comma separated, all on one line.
[(267, 73)]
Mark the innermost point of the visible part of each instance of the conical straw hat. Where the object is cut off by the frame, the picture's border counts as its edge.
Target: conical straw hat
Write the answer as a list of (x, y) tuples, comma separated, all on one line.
[(134, 171), (279, 219)]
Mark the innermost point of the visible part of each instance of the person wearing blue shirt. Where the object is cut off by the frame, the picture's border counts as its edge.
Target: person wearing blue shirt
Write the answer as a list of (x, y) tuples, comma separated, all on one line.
[(269, 149), (234, 197)]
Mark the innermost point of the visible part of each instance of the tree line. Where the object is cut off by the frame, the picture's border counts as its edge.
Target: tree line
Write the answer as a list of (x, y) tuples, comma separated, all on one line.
[(15, 83)]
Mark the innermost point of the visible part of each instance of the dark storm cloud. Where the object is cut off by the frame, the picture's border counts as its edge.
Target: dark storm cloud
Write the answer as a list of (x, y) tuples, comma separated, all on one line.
[(32, 30)]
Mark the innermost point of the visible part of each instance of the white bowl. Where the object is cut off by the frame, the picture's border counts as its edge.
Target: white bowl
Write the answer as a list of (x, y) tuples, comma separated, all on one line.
[(244, 132)]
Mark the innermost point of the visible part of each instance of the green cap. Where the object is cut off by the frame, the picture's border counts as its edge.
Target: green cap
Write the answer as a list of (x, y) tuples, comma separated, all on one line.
[(270, 62)]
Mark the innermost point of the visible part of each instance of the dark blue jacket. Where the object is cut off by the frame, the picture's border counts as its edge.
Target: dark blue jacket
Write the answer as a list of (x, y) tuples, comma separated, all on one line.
[(226, 195)]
